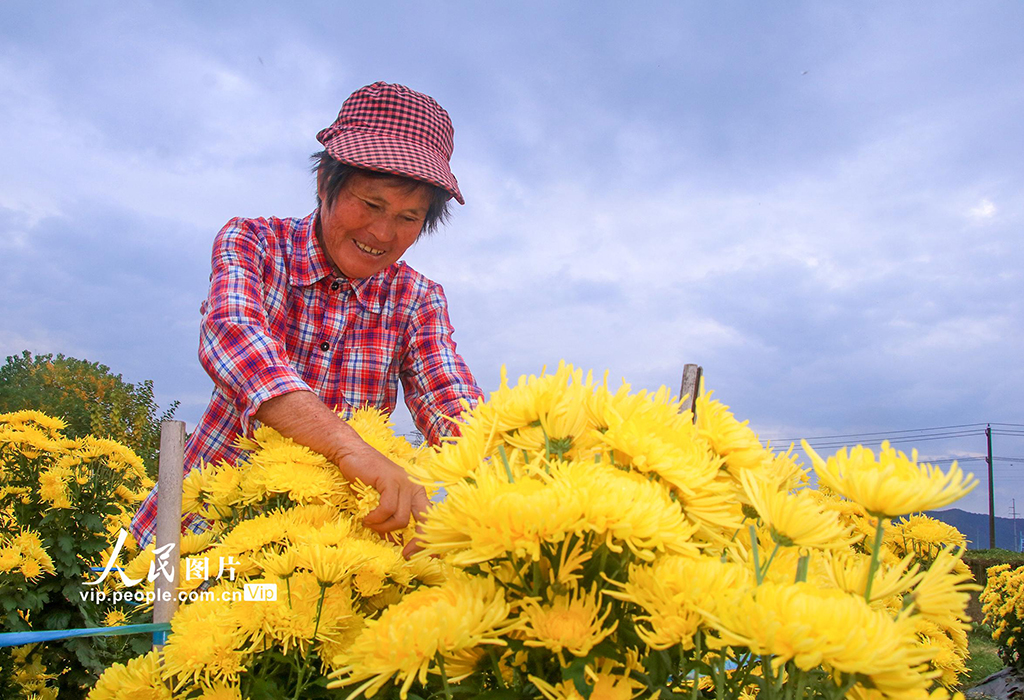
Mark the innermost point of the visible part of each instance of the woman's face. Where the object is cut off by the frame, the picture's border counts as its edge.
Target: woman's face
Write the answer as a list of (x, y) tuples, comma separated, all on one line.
[(371, 223)]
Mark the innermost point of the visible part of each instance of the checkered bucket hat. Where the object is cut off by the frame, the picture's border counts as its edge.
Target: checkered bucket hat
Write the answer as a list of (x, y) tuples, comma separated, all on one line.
[(392, 129)]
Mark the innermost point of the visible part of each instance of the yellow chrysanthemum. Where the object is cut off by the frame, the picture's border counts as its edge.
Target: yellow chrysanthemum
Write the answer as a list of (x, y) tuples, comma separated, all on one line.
[(53, 486), (848, 571), (378, 561), (728, 437), (292, 620), (491, 517), (204, 644), (114, 618), (463, 613), (794, 518), (572, 622), (279, 564), (221, 691), (815, 627), (608, 681), (686, 465), (891, 485), (195, 543), (140, 679), (673, 591), (10, 558), (942, 593), (330, 565), (943, 655), (924, 535)]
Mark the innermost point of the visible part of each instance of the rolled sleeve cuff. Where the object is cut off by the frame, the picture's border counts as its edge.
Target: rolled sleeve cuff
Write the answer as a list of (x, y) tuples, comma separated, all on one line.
[(445, 422), (265, 384)]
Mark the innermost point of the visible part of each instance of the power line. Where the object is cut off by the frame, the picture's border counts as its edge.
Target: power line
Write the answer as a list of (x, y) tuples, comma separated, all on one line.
[(980, 426)]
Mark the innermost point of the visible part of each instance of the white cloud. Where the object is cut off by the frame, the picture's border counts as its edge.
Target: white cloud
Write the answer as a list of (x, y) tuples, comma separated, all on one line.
[(983, 211)]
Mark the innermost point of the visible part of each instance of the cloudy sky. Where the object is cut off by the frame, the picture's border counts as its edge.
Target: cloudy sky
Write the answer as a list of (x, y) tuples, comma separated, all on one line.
[(821, 203)]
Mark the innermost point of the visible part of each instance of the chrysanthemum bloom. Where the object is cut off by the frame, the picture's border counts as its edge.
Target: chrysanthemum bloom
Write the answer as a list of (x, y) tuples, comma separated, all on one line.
[(684, 463), (459, 459), (943, 653), (849, 571), (625, 509), (53, 486), (795, 519), (204, 644), (279, 564), (403, 642), (10, 558), (816, 627), (573, 622), (140, 679), (221, 691), (302, 482), (330, 565), (942, 593), (728, 437), (193, 543), (378, 561), (608, 681), (254, 534), (290, 622), (376, 429), (924, 535), (673, 590), (114, 618), (891, 485), (492, 517)]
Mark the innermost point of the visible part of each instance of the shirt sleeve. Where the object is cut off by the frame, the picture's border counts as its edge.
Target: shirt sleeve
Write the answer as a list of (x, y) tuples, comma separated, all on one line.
[(236, 348), (434, 376)]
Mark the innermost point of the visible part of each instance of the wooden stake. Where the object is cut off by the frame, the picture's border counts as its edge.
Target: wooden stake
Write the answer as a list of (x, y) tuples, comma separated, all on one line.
[(168, 517), (691, 385)]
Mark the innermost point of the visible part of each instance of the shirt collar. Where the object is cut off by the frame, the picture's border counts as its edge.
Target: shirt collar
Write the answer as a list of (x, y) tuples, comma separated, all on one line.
[(310, 265)]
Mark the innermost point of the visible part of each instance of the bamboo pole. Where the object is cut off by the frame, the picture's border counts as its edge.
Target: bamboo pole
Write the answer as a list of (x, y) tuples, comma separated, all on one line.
[(168, 519)]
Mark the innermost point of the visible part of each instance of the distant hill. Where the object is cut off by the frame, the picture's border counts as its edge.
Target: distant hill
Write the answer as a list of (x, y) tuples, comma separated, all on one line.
[(975, 528)]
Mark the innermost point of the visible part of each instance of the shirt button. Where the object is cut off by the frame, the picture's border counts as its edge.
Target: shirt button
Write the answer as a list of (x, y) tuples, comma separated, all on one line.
[(334, 287), (325, 346)]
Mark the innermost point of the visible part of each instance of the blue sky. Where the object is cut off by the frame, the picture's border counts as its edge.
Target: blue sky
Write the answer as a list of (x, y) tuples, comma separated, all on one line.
[(821, 203)]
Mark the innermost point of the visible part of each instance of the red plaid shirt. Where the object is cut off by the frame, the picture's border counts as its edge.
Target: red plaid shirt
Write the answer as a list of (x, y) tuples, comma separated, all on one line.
[(278, 320)]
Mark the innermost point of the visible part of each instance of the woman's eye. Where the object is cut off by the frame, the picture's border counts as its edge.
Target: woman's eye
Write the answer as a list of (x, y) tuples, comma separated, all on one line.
[(371, 205)]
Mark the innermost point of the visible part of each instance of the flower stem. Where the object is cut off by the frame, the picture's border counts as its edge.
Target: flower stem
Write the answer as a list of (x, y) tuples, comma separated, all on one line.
[(874, 560), (801, 568), (770, 559), (753, 552), (300, 683), (498, 678), (696, 669), (444, 676), (504, 460)]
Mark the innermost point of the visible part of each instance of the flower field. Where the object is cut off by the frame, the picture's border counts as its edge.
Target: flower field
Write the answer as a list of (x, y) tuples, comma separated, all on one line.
[(1003, 605), (592, 543)]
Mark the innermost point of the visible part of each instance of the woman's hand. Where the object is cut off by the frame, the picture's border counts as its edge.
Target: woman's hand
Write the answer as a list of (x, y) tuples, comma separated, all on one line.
[(399, 496), (303, 417)]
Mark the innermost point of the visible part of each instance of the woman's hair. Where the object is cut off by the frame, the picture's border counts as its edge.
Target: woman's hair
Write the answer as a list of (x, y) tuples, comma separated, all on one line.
[(335, 174)]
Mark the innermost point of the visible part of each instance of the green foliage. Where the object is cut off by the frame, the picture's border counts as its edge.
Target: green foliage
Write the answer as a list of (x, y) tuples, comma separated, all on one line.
[(88, 397), (61, 501)]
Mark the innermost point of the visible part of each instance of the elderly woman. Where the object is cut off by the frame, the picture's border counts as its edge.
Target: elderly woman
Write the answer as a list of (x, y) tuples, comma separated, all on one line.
[(308, 316)]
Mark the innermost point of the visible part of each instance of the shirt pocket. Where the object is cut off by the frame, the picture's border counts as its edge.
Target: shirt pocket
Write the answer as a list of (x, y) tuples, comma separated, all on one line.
[(367, 363)]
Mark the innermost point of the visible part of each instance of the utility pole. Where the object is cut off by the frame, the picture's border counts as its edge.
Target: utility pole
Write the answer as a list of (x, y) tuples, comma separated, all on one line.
[(1013, 514), (991, 494)]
